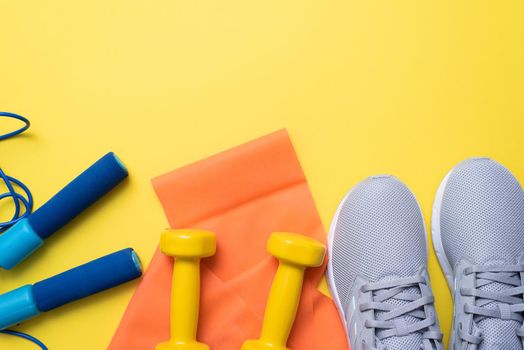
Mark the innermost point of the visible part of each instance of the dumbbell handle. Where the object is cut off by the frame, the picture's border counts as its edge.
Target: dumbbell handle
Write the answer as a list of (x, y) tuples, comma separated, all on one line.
[(185, 299), (28, 234), (187, 247), (295, 253), (283, 302)]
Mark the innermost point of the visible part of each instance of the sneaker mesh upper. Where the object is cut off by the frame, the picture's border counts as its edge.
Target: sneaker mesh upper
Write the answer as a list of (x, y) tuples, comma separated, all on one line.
[(482, 214), (482, 221), (378, 235)]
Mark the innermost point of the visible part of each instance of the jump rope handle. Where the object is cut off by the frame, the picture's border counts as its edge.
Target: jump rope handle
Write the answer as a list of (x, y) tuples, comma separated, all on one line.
[(29, 234), (98, 275)]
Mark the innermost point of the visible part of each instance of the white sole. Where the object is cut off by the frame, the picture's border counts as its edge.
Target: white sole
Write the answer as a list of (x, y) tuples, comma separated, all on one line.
[(436, 235), (439, 247), (329, 274)]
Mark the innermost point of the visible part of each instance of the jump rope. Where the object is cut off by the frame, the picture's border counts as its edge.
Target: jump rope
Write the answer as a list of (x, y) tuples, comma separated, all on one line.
[(23, 202)]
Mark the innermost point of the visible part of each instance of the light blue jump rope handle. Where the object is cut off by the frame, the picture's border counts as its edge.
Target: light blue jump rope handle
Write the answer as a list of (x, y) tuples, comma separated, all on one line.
[(29, 301), (29, 234)]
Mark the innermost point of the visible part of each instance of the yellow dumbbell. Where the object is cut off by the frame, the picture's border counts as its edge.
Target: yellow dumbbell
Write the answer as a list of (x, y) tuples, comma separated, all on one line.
[(295, 252), (187, 247)]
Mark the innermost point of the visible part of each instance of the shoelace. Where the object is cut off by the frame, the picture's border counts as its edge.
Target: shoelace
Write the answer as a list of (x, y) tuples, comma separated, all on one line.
[(510, 302), (392, 324)]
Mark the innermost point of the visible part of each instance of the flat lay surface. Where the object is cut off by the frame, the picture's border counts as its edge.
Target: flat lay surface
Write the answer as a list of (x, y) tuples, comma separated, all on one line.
[(363, 88)]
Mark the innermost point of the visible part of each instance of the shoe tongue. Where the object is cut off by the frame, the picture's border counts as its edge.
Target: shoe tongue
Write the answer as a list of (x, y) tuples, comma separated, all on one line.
[(408, 342), (496, 333)]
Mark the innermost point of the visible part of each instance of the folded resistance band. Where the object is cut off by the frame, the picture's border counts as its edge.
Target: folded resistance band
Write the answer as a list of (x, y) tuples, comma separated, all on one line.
[(243, 195)]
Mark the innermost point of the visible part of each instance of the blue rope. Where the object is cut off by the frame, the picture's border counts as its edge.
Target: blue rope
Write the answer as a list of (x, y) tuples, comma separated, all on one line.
[(23, 207), (23, 204), (18, 131), (26, 337)]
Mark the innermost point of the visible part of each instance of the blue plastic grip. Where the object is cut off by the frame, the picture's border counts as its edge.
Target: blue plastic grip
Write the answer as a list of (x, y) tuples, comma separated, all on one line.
[(18, 243), (17, 306), (91, 278), (79, 194)]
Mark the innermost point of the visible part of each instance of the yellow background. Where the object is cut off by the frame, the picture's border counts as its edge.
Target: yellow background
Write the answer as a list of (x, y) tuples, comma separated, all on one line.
[(364, 87)]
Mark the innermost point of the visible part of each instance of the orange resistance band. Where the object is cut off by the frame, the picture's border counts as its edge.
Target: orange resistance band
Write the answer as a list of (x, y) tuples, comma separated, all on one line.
[(243, 195)]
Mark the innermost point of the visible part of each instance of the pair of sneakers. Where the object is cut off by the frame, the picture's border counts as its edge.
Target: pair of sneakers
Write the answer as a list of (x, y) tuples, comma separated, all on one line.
[(378, 275)]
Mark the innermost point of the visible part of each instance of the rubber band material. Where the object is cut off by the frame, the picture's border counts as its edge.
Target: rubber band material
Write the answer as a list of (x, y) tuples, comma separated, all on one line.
[(23, 207), (18, 131)]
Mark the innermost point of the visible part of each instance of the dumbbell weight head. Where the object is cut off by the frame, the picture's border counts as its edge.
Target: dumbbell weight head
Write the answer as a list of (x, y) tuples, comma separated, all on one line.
[(189, 243), (296, 249), (187, 247), (295, 253)]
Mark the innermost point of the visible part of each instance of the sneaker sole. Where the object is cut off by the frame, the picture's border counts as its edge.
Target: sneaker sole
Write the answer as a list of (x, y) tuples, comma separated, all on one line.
[(329, 273), (439, 247), (436, 234)]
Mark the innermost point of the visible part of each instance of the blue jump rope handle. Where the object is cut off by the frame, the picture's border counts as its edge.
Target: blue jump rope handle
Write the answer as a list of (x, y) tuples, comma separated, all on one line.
[(78, 195), (82, 281), (27, 235), (96, 276)]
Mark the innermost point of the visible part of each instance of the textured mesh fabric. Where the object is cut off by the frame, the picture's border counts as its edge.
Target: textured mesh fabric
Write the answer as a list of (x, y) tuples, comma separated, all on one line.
[(482, 214), (482, 220), (378, 235)]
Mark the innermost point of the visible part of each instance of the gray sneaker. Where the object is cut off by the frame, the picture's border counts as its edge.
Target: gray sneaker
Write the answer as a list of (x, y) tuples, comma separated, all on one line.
[(377, 272), (478, 234)]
